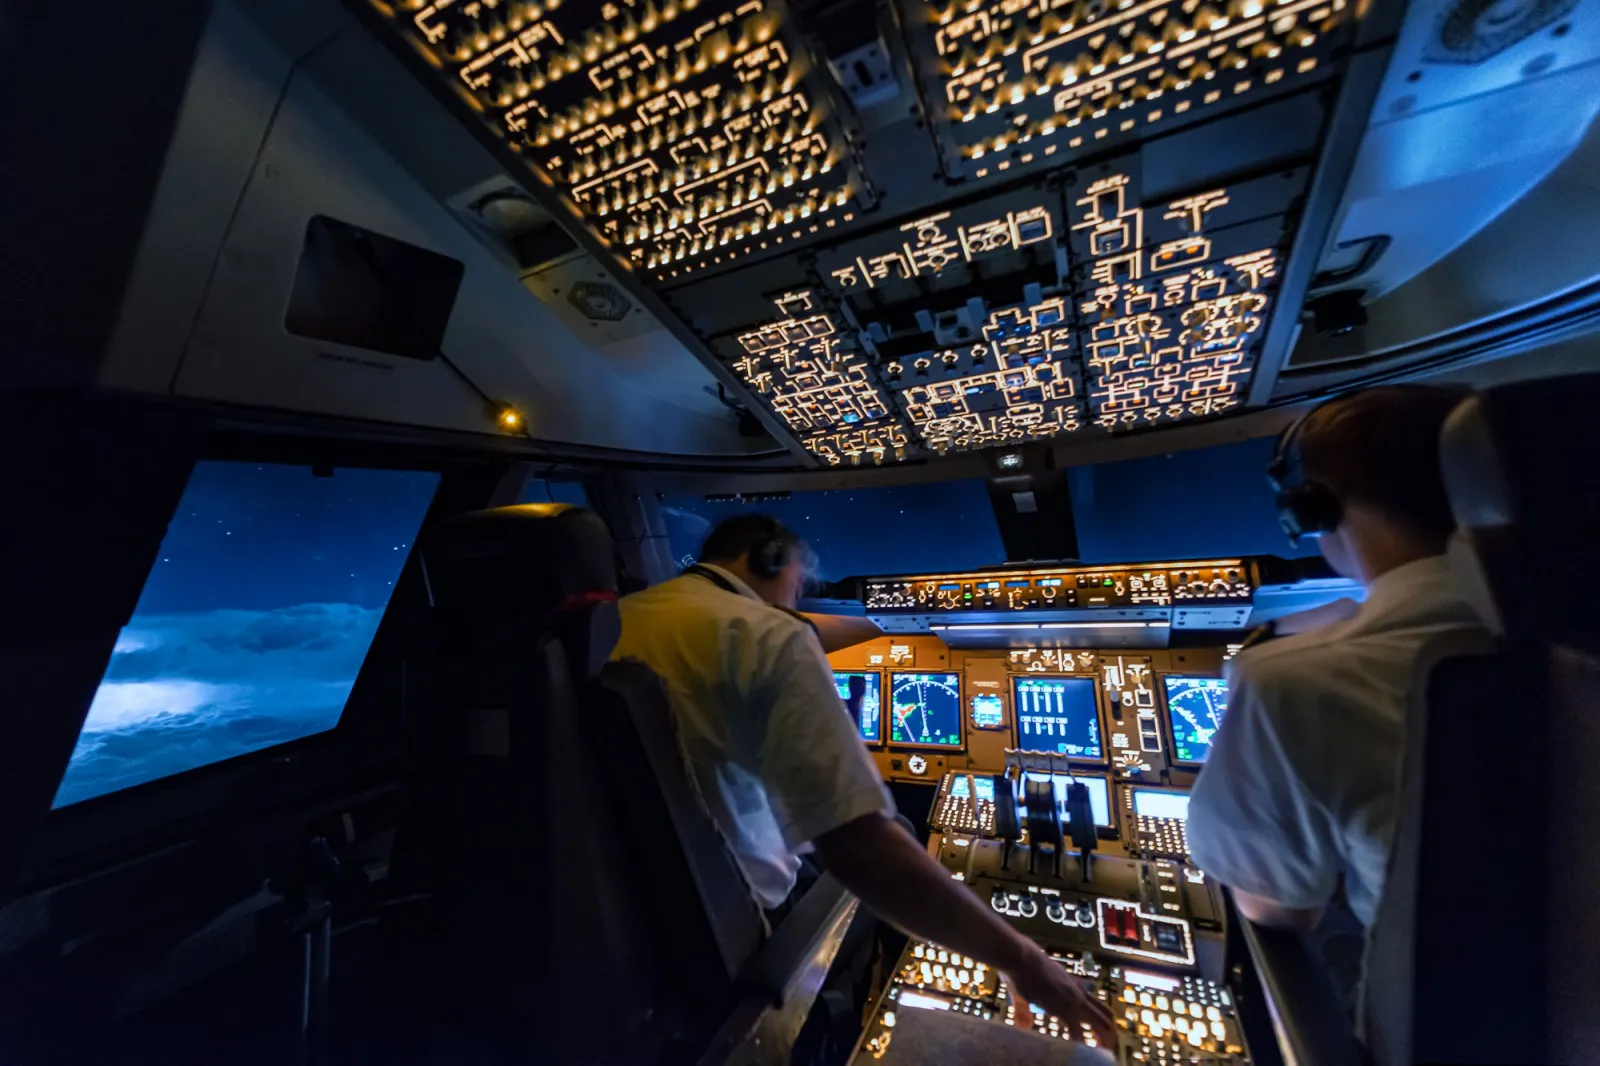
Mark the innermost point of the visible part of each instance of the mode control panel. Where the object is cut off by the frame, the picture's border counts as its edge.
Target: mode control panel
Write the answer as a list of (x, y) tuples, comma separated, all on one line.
[(1217, 581)]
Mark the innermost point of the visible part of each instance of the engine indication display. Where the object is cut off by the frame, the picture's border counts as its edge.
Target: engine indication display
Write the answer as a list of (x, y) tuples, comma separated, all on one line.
[(1058, 714), (870, 720), (1194, 707), (925, 710)]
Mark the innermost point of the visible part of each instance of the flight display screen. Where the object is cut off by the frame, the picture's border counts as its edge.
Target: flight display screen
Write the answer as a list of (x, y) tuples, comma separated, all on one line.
[(926, 710), (1161, 804), (988, 712), (1194, 707), (1058, 714), (870, 721)]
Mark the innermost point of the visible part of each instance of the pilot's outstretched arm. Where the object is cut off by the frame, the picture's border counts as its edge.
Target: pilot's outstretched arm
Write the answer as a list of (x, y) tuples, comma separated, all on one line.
[(840, 631)]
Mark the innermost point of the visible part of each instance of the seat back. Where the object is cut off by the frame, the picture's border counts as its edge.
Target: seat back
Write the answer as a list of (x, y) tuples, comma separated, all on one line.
[(701, 895), (1484, 946), (533, 933), (581, 904)]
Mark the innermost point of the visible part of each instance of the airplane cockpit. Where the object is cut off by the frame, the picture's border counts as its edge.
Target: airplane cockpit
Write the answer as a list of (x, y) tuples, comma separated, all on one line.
[(365, 356)]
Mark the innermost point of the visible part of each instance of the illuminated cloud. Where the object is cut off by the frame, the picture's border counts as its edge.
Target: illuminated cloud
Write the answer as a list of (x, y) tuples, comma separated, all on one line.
[(187, 690)]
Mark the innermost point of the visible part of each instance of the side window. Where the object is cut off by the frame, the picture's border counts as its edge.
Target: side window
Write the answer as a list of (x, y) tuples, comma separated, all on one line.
[(544, 490), (254, 621)]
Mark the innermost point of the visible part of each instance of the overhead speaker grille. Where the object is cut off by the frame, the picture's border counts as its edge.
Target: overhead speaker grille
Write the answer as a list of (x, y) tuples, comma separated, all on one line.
[(1471, 31)]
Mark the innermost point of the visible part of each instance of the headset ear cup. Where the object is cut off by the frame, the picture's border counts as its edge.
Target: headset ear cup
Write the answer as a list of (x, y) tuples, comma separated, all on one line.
[(770, 557), (1308, 509)]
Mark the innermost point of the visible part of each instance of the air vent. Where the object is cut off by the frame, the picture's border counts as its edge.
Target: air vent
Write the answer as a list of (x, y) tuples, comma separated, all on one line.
[(1471, 31)]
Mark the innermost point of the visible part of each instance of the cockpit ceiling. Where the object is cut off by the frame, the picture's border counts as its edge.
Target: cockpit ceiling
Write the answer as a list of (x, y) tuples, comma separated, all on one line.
[(1000, 222)]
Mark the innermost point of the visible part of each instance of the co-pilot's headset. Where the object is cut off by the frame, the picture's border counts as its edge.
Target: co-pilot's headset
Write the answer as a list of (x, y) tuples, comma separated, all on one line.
[(1306, 507), (774, 551)]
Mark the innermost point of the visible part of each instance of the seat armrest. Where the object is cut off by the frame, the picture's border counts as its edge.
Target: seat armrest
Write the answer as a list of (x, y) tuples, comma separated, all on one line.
[(796, 945), (1308, 1017)]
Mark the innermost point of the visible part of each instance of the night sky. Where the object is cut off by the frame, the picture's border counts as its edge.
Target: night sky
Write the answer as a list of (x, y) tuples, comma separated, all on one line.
[(271, 582), (1187, 505), (889, 530), (254, 621)]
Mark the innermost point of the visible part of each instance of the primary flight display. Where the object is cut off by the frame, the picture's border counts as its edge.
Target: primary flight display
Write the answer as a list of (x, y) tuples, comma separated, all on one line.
[(926, 710), (869, 720)]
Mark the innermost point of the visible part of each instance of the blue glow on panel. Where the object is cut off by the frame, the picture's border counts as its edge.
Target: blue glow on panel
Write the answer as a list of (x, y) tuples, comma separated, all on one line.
[(934, 526), (253, 623)]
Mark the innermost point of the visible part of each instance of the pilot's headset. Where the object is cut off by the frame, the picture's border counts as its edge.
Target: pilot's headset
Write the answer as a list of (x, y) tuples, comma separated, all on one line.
[(776, 549), (1306, 507)]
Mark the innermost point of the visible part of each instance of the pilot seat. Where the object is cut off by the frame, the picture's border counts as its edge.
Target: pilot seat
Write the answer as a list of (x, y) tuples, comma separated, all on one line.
[(558, 893)]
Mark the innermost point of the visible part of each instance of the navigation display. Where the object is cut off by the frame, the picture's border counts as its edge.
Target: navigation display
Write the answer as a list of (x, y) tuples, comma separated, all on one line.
[(926, 710), (1058, 714), (870, 722), (1194, 706)]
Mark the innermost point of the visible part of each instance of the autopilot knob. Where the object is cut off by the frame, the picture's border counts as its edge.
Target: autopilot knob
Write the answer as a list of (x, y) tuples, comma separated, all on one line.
[(997, 900), (1028, 907), (1056, 912), (1085, 914)]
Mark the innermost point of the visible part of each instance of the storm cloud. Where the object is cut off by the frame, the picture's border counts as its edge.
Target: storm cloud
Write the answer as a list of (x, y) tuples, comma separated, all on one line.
[(188, 690)]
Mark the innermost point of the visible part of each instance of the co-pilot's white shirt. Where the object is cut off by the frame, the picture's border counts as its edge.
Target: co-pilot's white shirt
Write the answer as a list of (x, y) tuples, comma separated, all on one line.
[(772, 747), (1302, 781)]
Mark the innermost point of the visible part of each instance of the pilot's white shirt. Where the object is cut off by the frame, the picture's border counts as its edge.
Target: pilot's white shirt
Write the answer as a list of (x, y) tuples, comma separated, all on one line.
[(775, 752), (1302, 781)]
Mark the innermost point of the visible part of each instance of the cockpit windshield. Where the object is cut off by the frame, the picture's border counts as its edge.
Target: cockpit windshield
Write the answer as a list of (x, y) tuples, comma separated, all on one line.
[(886, 530)]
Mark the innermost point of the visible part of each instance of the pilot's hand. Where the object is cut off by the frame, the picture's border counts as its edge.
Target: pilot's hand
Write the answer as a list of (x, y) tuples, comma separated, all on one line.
[(1043, 982)]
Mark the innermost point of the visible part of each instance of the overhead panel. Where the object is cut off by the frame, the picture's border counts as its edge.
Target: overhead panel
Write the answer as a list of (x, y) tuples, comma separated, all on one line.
[(1078, 227), (1016, 86), (688, 134)]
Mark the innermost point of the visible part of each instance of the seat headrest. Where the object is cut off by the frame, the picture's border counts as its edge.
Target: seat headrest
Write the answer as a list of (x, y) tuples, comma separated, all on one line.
[(1522, 468), (521, 565)]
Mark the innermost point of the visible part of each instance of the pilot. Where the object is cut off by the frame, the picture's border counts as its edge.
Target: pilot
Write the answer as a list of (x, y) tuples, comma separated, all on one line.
[(781, 765), (1300, 789)]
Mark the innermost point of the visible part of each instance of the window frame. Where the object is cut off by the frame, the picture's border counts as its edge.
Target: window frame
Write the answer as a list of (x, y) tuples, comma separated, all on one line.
[(363, 752)]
